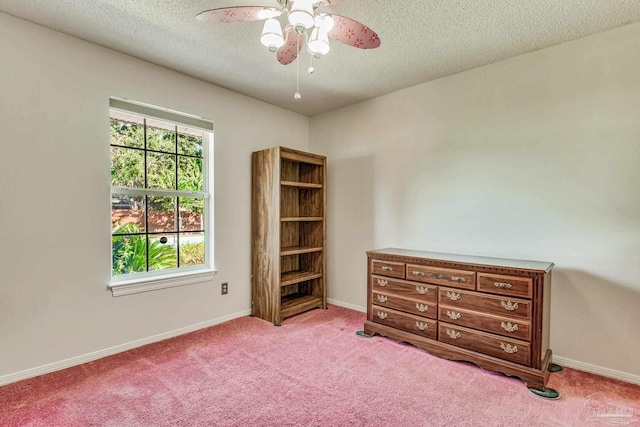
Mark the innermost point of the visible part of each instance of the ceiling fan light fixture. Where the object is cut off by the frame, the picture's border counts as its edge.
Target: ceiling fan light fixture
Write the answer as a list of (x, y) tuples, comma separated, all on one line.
[(324, 21), (301, 15), (272, 34), (269, 13), (319, 42)]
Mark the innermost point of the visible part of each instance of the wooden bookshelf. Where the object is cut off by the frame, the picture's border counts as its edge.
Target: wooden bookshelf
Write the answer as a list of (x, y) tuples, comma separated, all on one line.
[(288, 233)]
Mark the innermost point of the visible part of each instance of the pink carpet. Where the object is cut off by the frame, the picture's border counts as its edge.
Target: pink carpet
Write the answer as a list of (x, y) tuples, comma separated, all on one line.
[(311, 371)]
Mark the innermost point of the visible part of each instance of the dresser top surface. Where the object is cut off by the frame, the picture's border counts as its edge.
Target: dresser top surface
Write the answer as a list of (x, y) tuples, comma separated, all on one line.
[(467, 259)]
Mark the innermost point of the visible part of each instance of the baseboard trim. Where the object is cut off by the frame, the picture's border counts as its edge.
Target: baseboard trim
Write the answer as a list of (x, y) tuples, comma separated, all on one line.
[(89, 357), (598, 370), (347, 305)]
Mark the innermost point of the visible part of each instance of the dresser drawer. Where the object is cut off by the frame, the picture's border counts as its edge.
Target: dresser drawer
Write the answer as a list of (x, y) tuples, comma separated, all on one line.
[(505, 285), (420, 308), (520, 329), (442, 276), (405, 289), (503, 348), (388, 268), (407, 322), (490, 304)]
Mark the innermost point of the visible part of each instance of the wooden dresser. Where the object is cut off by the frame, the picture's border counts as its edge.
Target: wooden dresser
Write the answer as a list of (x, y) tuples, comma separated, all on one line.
[(490, 311)]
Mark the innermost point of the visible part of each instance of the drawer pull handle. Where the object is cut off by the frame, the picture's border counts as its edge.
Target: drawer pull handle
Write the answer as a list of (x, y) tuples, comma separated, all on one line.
[(382, 282), (509, 327), (421, 307), (453, 296), (508, 348), (453, 315), (422, 290), (422, 326), (418, 273), (382, 298), (508, 305), (458, 279), (382, 315), (503, 285), (453, 334), (386, 268)]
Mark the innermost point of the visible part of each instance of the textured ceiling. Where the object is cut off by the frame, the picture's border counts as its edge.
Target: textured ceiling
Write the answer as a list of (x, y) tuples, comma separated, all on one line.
[(422, 40)]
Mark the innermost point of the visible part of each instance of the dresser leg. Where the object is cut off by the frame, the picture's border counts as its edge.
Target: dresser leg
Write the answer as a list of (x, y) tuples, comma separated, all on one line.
[(547, 393)]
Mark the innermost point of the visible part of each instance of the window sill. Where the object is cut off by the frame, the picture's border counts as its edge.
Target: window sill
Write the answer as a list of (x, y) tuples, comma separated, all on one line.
[(144, 284)]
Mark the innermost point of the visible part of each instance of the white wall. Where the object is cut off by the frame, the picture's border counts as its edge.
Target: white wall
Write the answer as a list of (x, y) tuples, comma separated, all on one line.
[(54, 197), (536, 157)]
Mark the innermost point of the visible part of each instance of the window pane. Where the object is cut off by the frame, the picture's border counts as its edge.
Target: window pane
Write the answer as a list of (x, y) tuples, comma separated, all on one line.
[(190, 141), (161, 215), (129, 254), (127, 167), (191, 249), (161, 171), (127, 130), (190, 177), (157, 158), (161, 136), (162, 252), (191, 214), (127, 214)]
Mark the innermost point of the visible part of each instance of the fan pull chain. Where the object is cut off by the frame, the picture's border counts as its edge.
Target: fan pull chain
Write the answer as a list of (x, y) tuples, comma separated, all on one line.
[(297, 94), (311, 69)]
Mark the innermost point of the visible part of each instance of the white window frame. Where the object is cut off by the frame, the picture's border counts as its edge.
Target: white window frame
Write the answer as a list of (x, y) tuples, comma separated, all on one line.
[(160, 279)]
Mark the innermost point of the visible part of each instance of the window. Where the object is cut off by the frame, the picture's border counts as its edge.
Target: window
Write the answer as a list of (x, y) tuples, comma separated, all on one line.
[(160, 197)]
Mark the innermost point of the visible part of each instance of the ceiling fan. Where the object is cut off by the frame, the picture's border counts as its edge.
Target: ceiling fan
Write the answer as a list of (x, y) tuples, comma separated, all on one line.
[(301, 17)]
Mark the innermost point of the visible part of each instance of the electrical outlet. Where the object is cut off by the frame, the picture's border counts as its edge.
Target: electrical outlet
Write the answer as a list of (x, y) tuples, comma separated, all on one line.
[(225, 288)]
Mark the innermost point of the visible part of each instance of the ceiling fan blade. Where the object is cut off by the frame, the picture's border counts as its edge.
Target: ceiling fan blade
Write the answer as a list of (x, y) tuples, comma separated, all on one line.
[(353, 33), (238, 14), (328, 2), (291, 47)]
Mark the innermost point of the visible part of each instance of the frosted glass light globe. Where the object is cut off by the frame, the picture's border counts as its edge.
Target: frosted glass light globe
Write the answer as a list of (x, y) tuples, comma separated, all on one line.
[(301, 15)]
